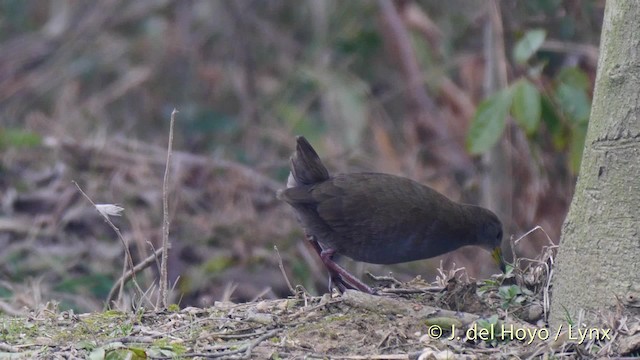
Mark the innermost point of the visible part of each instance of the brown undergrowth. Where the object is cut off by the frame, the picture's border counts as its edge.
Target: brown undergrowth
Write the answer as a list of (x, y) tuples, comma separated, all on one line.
[(225, 221), (453, 317)]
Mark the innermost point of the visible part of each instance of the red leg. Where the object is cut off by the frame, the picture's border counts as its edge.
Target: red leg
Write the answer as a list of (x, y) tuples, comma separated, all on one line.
[(334, 278), (341, 274), (337, 274)]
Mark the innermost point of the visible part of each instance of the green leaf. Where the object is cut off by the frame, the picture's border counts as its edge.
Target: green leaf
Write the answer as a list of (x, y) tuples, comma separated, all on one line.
[(503, 292), (98, 354), (18, 138), (488, 123), (526, 106), (571, 94), (126, 353), (514, 290), (554, 124), (528, 45), (574, 102), (138, 353)]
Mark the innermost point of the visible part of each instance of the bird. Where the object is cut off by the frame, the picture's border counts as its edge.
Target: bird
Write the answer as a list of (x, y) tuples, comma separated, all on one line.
[(380, 218)]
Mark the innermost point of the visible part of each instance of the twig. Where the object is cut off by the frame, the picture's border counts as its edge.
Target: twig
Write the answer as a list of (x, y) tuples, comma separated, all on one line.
[(284, 274), (400, 291), (270, 334), (537, 227), (130, 339), (121, 284), (163, 298), (262, 293), (128, 257), (246, 349), (415, 355), (389, 278), (126, 277), (547, 264)]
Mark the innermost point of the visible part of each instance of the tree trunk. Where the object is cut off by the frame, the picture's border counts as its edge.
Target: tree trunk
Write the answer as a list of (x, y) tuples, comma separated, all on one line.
[(598, 263)]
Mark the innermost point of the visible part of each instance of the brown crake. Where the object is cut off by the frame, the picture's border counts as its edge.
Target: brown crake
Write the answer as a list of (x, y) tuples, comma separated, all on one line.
[(380, 218)]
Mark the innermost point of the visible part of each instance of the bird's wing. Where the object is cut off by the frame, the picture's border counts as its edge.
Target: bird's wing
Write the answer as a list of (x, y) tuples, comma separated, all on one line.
[(357, 207)]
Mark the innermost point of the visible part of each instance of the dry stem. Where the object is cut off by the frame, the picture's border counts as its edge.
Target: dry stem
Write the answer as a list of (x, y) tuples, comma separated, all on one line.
[(128, 258), (163, 298)]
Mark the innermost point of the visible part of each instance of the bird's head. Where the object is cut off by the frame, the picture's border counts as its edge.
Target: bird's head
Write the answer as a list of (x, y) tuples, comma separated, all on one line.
[(489, 235)]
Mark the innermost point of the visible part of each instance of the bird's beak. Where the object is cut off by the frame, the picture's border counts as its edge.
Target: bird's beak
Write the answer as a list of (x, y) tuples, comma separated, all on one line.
[(496, 254)]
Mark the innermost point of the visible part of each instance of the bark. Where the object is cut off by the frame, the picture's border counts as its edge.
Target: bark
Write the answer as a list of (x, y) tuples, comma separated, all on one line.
[(598, 263)]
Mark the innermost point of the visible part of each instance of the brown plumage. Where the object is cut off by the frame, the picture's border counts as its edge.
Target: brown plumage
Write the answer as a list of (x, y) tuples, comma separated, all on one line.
[(380, 218)]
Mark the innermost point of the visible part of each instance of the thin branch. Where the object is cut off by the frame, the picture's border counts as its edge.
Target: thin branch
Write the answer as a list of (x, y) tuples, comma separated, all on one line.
[(126, 277), (243, 352), (165, 222), (284, 274), (128, 257)]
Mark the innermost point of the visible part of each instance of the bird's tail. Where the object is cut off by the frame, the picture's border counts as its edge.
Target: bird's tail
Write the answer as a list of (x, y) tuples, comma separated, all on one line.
[(306, 166)]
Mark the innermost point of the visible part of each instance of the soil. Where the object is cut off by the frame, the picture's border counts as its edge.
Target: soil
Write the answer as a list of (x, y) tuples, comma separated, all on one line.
[(405, 321)]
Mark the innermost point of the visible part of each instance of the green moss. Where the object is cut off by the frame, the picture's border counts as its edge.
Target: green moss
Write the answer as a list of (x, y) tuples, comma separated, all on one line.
[(12, 330), (217, 265)]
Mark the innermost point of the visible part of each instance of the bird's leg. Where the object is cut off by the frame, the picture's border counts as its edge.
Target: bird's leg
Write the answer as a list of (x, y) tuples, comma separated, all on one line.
[(339, 283), (337, 274), (344, 276), (334, 277)]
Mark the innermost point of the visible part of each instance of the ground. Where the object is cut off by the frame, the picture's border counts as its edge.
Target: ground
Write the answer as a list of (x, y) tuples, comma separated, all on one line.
[(402, 321)]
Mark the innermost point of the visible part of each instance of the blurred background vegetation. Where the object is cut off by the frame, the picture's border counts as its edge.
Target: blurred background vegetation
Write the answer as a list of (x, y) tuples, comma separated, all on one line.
[(487, 102)]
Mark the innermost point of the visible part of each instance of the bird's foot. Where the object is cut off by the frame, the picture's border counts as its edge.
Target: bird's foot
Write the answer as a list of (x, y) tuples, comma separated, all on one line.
[(339, 283), (340, 276)]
